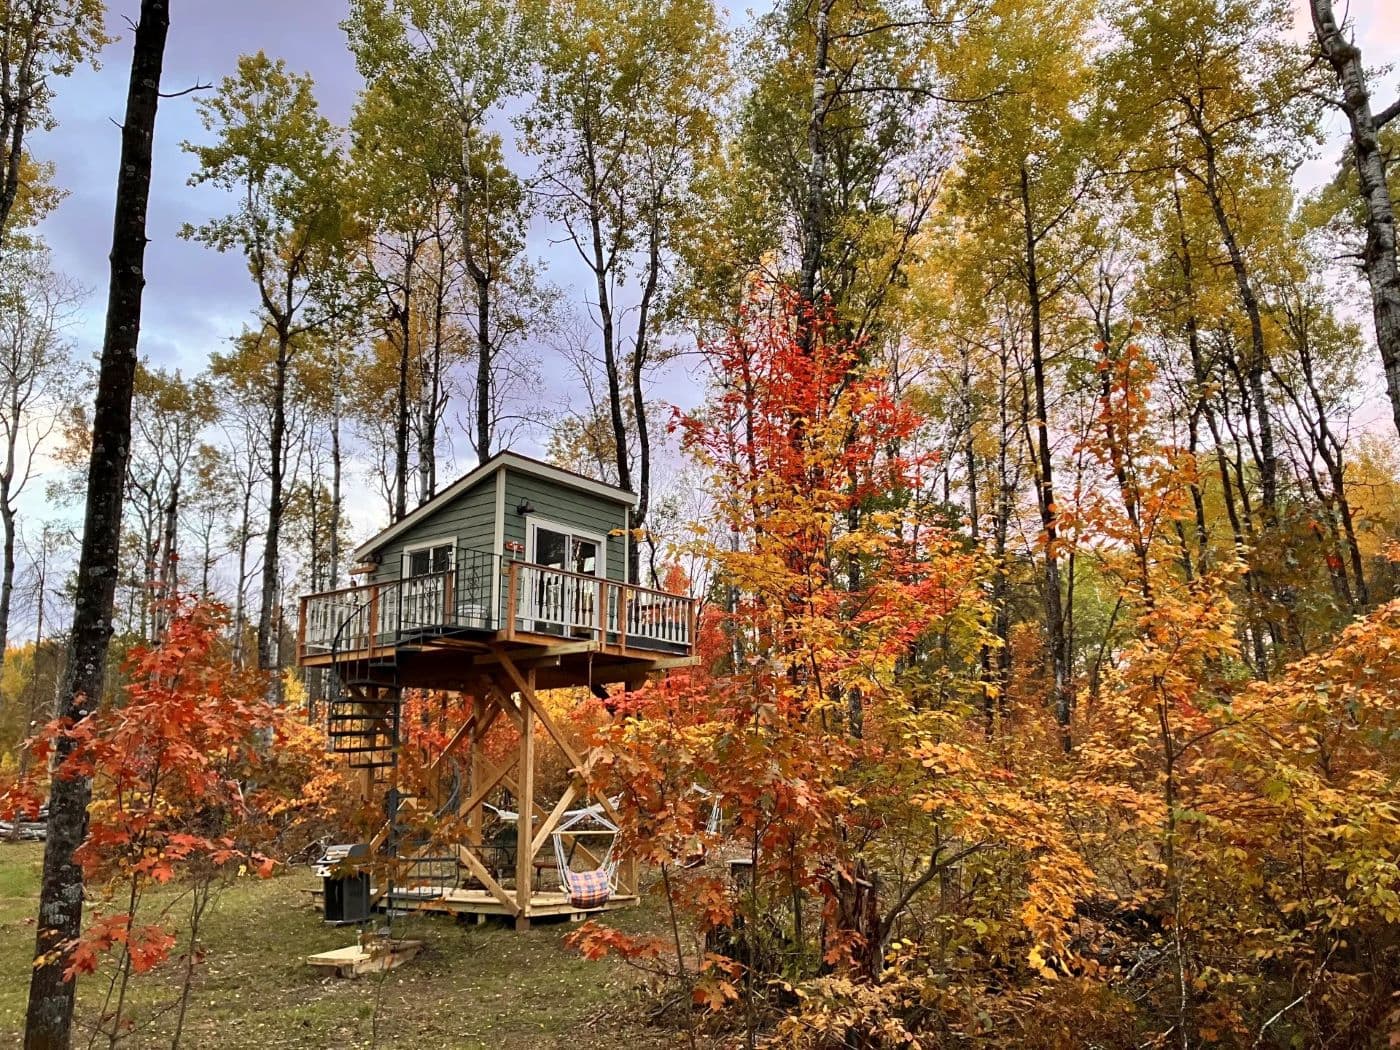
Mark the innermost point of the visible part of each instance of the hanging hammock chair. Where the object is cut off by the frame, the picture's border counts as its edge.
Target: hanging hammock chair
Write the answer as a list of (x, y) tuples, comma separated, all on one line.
[(593, 888), (698, 849)]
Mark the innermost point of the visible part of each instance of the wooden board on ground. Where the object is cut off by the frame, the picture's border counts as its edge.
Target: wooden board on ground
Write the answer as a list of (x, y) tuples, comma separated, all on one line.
[(357, 959)]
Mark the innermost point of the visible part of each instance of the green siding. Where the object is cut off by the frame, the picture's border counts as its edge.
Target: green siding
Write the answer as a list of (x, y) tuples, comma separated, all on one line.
[(570, 507), (470, 517)]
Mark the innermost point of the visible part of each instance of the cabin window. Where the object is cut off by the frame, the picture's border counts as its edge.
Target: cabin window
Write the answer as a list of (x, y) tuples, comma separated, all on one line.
[(428, 559), (559, 547)]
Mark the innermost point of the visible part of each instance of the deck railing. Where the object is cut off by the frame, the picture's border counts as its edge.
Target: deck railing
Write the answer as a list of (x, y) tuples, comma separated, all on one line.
[(533, 599)]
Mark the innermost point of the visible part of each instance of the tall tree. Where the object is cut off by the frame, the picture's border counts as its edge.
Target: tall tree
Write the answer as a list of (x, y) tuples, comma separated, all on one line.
[(48, 1022), (1228, 97), (280, 158), (845, 129), (35, 387), (1372, 162), (624, 115), (167, 430), (435, 72), (1021, 189), (40, 40)]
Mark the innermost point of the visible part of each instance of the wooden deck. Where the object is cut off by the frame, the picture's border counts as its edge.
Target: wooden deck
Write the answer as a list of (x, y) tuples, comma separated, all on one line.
[(550, 611), (480, 904)]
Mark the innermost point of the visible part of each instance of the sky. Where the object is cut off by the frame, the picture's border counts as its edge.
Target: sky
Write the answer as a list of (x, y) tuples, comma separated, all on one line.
[(196, 298)]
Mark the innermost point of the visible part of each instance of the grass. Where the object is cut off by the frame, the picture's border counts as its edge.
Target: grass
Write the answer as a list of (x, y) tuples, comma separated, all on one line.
[(471, 987)]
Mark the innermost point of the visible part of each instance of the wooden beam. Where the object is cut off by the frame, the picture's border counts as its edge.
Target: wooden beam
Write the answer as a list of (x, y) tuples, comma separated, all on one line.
[(671, 663), (452, 744), (477, 764), (372, 626), (540, 652), (555, 815), (531, 702), (503, 701), (478, 796), (484, 877), (528, 699), (512, 590), (458, 644), (524, 859)]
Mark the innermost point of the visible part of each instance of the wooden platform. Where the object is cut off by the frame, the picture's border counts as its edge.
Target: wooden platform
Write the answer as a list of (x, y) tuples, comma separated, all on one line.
[(445, 662), (480, 904)]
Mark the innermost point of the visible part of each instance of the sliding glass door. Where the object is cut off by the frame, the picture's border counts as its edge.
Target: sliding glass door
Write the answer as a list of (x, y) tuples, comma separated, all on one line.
[(559, 596)]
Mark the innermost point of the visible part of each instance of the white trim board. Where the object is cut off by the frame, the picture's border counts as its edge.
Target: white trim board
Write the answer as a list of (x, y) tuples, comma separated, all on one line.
[(498, 544)]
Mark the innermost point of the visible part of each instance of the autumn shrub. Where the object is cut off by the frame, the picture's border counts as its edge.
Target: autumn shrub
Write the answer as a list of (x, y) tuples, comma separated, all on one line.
[(197, 780), (925, 860)]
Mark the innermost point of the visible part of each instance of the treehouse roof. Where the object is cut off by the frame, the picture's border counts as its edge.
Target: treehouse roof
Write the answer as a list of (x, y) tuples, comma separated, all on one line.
[(517, 463)]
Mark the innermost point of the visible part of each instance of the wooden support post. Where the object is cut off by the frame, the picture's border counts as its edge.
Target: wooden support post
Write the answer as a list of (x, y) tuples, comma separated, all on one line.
[(301, 628), (621, 617), (512, 591), (372, 626), (529, 702), (524, 861), (477, 766)]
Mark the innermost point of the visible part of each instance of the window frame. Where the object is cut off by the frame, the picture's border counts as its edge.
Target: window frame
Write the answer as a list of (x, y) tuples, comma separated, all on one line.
[(533, 523), (409, 549)]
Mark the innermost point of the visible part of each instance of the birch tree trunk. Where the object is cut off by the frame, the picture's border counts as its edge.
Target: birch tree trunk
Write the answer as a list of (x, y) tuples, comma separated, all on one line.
[(1379, 259)]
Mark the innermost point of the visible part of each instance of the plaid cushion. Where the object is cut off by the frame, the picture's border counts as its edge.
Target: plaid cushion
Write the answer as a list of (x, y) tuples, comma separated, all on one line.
[(589, 889)]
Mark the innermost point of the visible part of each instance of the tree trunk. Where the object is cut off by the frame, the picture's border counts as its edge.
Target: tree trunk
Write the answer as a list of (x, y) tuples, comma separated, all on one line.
[(430, 397), (335, 495), (7, 572), (401, 420), (240, 597), (1001, 589), (601, 268), (813, 226), (639, 405), (48, 1023), (272, 540), (1258, 351), (1062, 695), (483, 365), (1379, 261), (169, 559), (1332, 452), (16, 111), (481, 272), (1200, 403)]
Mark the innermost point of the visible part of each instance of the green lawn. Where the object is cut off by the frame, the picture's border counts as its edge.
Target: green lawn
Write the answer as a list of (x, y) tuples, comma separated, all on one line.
[(472, 986)]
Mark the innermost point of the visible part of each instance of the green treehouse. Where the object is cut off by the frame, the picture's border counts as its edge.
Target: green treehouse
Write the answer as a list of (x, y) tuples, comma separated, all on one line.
[(510, 580)]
